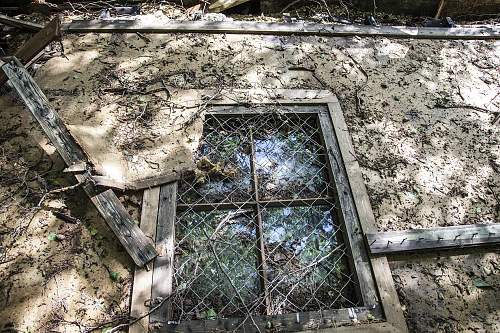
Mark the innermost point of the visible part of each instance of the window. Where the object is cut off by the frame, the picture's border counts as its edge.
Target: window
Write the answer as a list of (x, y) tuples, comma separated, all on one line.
[(267, 234), (256, 228)]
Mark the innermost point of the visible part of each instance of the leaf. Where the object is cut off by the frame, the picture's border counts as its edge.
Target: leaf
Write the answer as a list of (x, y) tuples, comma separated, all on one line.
[(480, 283), (370, 317), (93, 231), (114, 276), (52, 236), (211, 314), (106, 329)]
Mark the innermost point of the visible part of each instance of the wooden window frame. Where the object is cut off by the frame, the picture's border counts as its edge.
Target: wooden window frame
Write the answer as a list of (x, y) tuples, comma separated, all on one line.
[(380, 310)]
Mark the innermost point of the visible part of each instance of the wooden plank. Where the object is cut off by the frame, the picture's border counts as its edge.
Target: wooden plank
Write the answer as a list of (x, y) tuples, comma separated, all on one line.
[(163, 264), (442, 3), (347, 212), (138, 246), (241, 110), (36, 44), (40, 108), (266, 28), (143, 277), (380, 266), (221, 5), (25, 25), (455, 237), (291, 322)]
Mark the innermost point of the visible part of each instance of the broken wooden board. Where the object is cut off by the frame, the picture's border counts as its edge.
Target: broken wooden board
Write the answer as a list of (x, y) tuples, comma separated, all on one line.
[(265, 28), (162, 284), (143, 277), (25, 25), (36, 44), (446, 238), (138, 246)]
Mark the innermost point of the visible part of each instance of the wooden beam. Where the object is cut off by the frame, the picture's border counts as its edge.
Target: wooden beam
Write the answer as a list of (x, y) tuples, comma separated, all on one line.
[(380, 266), (25, 25), (442, 3), (360, 263), (455, 237), (265, 28), (36, 44), (46, 116), (163, 264), (291, 322), (143, 277), (221, 5), (138, 246)]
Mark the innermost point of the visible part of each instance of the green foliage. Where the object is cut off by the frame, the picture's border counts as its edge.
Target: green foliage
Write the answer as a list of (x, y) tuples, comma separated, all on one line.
[(115, 276), (93, 231), (52, 237), (210, 314)]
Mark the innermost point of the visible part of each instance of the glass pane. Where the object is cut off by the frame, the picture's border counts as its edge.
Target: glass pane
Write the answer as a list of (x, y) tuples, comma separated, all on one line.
[(223, 164), (210, 247), (307, 262), (289, 158)]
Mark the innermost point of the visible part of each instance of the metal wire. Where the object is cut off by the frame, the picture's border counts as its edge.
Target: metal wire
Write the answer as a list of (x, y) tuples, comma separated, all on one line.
[(256, 229)]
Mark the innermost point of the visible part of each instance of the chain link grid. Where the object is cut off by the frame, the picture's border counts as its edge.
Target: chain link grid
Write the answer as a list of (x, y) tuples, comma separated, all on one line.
[(217, 270)]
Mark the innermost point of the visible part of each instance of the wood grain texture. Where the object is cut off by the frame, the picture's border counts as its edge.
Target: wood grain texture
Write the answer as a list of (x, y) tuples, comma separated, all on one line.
[(40, 108), (348, 214), (137, 245), (143, 277), (380, 266), (163, 264), (326, 320), (36, 44), (265, 28), (454, 237)]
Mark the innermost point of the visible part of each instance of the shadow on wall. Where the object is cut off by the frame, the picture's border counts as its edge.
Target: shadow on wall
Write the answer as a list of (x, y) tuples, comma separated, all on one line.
[(424, 166), (428, 8)]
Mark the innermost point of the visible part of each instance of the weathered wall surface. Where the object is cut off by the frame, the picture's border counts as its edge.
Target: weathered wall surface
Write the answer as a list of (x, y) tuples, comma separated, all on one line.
[(424, 165)]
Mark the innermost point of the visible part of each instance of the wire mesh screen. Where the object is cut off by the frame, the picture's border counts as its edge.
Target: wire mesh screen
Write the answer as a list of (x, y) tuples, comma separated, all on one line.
[(256, 228)]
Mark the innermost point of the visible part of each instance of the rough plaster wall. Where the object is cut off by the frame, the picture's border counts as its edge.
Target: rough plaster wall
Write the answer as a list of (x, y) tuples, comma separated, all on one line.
[(424, 166), (111, 92)]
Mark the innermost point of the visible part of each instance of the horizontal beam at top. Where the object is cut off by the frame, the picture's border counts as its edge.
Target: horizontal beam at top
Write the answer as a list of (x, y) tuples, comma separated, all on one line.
[(266, 28), (445, 238)]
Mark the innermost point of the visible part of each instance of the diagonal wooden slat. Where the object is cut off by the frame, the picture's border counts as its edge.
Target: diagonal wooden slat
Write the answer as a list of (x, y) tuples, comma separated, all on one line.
[(36, 44), (138, 246), (25, 25)]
